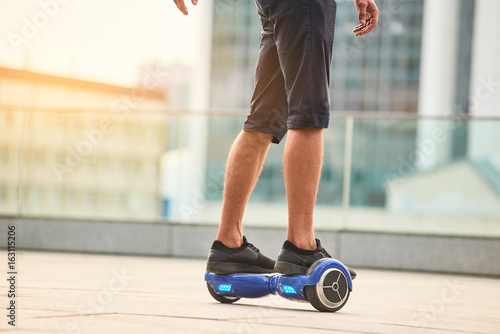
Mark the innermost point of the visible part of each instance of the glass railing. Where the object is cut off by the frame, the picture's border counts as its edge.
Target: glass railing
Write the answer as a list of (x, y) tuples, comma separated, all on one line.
[(382, 172)]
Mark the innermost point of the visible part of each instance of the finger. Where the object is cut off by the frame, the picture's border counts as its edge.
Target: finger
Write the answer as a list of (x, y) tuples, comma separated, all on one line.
[(194, 2), (361, 30), (362, 12), (365, 30), (374, 18), (358, 28), (368, 28), (361, 33), (372, 15), (182, 6)]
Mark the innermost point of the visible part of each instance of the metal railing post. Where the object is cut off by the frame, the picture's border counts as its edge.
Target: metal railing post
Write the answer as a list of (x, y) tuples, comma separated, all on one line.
[(346, 191)]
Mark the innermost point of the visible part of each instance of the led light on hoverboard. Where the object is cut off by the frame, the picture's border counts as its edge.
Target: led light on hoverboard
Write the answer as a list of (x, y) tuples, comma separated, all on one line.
[(288, 289), (225, 287)]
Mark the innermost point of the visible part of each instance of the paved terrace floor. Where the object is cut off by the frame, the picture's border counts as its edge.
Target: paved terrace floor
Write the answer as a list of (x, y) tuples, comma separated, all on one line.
[(80, 293)]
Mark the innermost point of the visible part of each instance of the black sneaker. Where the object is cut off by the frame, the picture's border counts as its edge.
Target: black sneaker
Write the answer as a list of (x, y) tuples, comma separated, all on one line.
[(295, 261), (245, 259)]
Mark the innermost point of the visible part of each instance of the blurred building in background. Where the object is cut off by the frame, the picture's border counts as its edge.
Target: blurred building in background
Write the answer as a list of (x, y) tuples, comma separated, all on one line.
[(376, 73), (77, 148), (459, 78), (409, 64)]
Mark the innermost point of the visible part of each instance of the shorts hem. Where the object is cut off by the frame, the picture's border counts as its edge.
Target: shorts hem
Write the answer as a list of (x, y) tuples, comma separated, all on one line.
[(303, 121), (277, 136)]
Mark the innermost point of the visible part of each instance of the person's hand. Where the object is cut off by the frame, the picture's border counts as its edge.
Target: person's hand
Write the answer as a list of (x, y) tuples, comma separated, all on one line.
[(182, 6), (367, 16)]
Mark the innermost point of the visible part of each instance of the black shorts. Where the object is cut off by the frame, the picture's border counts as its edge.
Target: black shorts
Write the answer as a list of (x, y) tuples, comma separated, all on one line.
[(293, 69)]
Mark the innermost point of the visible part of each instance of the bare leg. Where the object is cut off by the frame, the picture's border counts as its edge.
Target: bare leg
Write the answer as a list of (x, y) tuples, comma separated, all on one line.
[(244, 164), (302, 162)]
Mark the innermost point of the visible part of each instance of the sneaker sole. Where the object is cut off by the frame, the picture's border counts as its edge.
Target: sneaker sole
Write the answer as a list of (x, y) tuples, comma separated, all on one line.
[(224, 268), (290, 269), (287, 268)]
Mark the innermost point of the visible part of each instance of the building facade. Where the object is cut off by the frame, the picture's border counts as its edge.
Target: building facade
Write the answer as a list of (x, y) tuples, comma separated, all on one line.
[(375, 73), (75, 148)]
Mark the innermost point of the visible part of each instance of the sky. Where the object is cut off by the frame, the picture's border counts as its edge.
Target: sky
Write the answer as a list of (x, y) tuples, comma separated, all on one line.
[(98, 40)]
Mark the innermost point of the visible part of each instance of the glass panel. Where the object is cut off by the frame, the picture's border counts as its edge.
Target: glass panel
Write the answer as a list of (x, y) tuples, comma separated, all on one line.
[(410, 175), (12, 123), (84, 165), (407, 177)]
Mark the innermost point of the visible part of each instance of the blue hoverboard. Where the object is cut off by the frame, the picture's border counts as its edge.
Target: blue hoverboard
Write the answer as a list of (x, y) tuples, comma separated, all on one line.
[(326, 285)]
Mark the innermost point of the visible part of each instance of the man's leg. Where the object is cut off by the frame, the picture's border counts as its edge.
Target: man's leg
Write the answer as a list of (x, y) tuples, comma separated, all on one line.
[(231, 252), (302, 162), (244, 164)]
